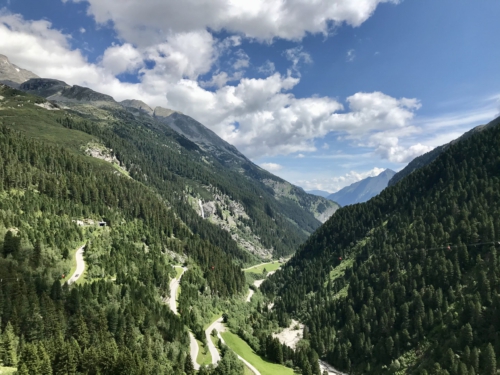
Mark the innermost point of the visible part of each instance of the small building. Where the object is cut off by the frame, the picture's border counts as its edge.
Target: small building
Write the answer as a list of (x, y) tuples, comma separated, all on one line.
[(102, 223)]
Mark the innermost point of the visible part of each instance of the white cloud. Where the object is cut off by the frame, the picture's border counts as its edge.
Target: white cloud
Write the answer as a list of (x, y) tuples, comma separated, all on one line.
[(243, 61), (301, 156), (121, 59), (149, 21), (297, 56), (267, 68), (334, 184), (82, 30), (271, 167), (351, 55), (271, 120)]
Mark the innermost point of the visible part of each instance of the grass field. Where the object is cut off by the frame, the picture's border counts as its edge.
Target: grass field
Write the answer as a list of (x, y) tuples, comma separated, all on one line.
[(271, 266), (204, 357), (9, 370), (178, 271), (240, 347)]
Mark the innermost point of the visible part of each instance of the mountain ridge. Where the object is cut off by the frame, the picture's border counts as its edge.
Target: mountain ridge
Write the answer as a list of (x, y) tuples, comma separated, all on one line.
[(430, 156), (363, 190)]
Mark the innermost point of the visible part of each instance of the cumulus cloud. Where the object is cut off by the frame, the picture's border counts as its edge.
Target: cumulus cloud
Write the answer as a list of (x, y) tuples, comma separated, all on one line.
[(260, 116), (121, 59), (148, 21), (334, 184), (271, 167)]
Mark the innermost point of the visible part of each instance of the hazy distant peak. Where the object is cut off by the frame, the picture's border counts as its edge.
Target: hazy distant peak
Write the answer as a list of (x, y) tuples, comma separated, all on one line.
[(363, 190), (13, 73)]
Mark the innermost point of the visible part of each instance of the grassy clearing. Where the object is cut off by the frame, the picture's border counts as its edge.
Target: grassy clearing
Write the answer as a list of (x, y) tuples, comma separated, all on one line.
[(241, 348), (178, 271), (204, 357), (7, 370), (271, 266), (247, 371)]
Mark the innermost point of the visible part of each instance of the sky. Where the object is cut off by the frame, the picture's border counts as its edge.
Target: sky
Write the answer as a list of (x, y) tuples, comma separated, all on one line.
[(321, 93)]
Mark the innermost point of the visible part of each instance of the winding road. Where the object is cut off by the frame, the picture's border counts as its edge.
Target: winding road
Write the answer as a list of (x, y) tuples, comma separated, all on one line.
[(80, 266), (217, 325), (174, 287)]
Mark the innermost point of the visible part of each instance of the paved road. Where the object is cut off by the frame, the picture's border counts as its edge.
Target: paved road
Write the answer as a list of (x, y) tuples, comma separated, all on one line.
[(193, 350), (211, 347), (193, 345), (80, 266)]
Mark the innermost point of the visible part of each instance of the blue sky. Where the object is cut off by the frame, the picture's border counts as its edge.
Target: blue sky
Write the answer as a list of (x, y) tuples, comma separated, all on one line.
[(320, 93)]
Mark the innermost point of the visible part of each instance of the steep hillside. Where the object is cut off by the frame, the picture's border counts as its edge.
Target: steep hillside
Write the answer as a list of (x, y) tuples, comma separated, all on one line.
[(248, 213), (115, 321), (363, 190), (408, 282), (430, 156)]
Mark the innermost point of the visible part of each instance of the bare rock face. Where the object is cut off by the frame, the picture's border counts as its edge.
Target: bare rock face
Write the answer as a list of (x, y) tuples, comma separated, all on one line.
[(138, 106), (12, 73), (162, 112)]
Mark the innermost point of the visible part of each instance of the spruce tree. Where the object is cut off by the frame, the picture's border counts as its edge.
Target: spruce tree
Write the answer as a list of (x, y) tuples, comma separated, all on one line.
[(488, 361)]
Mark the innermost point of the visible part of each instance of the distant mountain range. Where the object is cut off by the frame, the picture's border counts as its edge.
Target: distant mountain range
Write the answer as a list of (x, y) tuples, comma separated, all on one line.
[(363, 190)]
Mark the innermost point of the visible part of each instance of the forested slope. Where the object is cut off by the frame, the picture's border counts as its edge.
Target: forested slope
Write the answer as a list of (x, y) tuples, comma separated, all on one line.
[(409, 281), (106, 327), (156, 154)]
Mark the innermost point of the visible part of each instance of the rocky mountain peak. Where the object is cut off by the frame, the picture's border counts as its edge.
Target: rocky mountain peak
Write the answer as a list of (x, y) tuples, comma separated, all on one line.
[(137, 105), (13, 73)]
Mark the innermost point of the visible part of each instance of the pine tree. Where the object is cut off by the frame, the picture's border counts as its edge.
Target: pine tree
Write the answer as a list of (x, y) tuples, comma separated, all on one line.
[(488, 361), (9, 342), (188, 365)]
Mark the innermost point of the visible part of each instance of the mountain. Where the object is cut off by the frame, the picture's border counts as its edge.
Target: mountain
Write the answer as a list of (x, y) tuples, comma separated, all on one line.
[(137, 105), (12, 74), (408, 282), (234, 202), (430, 156), (363, 190), (319, 193), (60, 91)]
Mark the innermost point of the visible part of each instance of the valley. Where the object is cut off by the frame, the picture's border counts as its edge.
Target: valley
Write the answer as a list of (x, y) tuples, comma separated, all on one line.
[(135, 240)]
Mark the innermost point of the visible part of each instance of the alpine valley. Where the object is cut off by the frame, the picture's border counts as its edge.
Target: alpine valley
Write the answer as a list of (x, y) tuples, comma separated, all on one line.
[(136, 241)]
